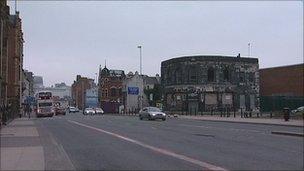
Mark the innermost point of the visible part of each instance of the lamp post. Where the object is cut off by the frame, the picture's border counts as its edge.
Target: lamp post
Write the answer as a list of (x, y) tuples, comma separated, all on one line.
[(140, 59)]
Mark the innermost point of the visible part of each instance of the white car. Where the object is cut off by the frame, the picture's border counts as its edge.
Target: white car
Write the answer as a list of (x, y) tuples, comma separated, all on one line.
[(89, 111), (299, 109), (98, 111), (152, 113)]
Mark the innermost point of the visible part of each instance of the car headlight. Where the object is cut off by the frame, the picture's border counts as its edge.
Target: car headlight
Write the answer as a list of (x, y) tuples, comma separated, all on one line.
[(153, 114)]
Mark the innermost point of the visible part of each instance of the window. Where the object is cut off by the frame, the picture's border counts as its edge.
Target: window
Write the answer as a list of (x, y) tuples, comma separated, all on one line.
[(178, 76), (192, 75), (251, 77), (226, 74), (211, 75), (113, 92), (241, 77)]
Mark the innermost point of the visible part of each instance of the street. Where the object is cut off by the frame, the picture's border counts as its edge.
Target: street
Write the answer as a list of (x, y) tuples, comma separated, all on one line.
[(75, 141)]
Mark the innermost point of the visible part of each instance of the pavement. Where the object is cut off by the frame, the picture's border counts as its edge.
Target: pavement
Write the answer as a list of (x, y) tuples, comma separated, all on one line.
[(238, 119), (115, 142), (21, 156)]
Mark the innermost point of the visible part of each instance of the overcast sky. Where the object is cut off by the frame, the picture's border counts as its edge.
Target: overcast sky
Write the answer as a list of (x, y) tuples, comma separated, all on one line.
[(66, 38)]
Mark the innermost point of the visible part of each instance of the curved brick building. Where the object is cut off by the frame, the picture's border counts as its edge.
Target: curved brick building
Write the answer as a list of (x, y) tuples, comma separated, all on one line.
[(203, 83)]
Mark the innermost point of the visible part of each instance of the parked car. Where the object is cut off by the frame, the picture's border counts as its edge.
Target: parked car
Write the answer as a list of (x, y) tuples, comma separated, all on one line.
[(89, 111), (73, 109), (98, 111), (60, 111), (152, 113), (299, 109)]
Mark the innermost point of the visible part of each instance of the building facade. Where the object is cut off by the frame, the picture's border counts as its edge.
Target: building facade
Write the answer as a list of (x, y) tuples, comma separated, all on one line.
[(4, 35), (203, 83), (133, 92), (282, 87), (110, 84), (79, 87)]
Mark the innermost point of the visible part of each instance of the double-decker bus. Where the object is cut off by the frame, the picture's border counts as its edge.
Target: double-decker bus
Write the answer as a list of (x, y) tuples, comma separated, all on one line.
[(44, 104)]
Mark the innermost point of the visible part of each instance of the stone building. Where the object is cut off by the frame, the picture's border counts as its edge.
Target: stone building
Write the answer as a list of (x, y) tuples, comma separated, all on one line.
[(110, 89), (79, 88), (203, 83), (15, 60), (11, 59), (4, 34)]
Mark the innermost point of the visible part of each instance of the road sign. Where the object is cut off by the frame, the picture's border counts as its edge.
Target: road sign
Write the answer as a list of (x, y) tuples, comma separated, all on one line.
[(133, 90)]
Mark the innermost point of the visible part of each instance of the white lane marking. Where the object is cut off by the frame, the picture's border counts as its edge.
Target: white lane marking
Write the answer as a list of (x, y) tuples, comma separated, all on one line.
[(156, 149), (230, 129)]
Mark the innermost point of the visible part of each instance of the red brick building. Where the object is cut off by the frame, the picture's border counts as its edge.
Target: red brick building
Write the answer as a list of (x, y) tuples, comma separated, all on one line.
[(282, 81), (110, 89), (281, 87), (78, 90)]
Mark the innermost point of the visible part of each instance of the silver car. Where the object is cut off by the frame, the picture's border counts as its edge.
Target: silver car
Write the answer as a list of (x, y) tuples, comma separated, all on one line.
[(152, 113), (89, 111)]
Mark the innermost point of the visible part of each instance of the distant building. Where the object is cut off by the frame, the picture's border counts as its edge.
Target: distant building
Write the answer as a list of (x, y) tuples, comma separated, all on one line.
[(282, 87), (203, 83), (110, 89), (79, 87), (152, 91), (38, 82), (27, 86), (91, 97), (61, 90)]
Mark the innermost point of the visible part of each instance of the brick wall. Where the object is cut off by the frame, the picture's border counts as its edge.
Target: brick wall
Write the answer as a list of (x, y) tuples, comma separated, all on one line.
[(285, 80)]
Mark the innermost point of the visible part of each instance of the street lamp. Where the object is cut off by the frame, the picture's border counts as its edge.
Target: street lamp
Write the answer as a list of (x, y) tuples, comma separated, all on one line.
[(140, 58)]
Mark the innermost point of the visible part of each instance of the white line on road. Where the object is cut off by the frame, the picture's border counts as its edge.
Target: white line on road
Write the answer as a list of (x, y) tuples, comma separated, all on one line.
[(156, 149)]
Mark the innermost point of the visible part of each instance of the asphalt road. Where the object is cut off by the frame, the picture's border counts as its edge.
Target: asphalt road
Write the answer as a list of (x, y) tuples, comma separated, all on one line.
[(126, 143)]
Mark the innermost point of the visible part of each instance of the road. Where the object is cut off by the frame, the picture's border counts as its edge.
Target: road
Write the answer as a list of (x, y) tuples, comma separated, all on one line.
[(124, 142)]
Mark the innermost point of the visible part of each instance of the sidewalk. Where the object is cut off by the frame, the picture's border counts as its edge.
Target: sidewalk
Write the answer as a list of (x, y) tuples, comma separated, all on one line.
[(238, 119), (20, 146)]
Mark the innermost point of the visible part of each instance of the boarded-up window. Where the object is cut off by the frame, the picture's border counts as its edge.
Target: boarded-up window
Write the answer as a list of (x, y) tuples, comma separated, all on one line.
[(242, 101), (227, 98), (210, 99)]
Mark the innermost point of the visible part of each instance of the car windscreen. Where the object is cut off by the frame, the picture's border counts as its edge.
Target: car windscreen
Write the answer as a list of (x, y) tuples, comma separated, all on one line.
[(154, 109), (45, 104)]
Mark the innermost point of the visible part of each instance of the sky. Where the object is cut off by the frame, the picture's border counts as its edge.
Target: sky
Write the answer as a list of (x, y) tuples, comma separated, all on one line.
[(67, 38)]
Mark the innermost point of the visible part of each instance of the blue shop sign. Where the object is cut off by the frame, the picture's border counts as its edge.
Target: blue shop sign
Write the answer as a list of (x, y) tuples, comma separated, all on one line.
[(133, 90)]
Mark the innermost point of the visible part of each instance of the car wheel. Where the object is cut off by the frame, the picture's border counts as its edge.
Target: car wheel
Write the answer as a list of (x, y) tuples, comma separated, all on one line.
[(164, 119), (140, 118)]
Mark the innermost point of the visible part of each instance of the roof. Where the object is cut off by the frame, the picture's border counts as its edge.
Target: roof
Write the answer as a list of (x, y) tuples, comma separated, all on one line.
[(210, 58), (151, 80), (117, 72)]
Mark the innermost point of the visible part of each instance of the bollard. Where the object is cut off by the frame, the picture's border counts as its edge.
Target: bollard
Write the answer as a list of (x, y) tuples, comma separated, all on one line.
[(241, 112), (271, 114)]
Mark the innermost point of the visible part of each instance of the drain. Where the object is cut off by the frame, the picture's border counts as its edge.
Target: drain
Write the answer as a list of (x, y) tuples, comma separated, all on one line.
[(203, 135), (6, 135)]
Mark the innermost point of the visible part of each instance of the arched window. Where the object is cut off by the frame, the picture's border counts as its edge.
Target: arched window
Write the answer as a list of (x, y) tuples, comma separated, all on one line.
[(113, 92), (192, 75), (226, 74), (211, 75), (178, 76)]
